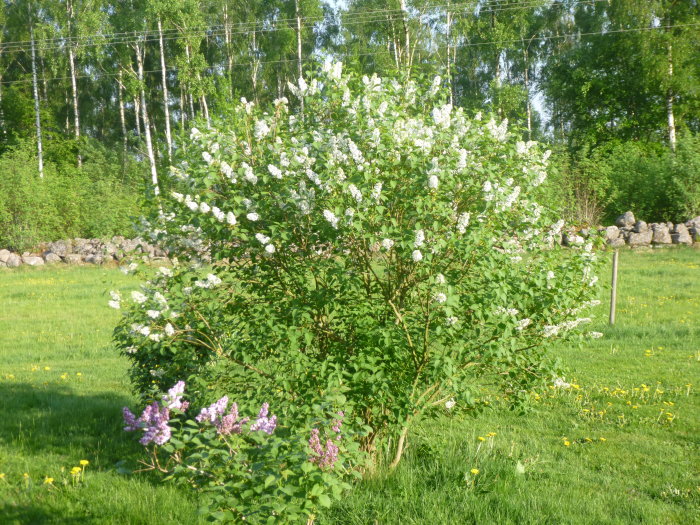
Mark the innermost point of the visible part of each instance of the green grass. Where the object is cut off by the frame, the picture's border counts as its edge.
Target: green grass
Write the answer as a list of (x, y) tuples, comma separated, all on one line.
[(646, 470)]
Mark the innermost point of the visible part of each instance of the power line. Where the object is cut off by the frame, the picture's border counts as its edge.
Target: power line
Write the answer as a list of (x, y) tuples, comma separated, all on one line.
[(464, 45), (378, 15)]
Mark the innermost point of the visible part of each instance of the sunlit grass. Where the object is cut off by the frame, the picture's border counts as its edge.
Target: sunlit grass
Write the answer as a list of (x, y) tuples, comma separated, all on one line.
[(620, 445)]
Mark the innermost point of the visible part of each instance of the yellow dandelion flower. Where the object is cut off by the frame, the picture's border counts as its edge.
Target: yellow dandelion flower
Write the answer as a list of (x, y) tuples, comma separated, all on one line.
[(84, 462), (78, 374), (567, 443), (2, 475), (48, 481), (47, 368), (64, 376), (603, 439), (481, 438), (75, 471), (25, 475), (474, 471)]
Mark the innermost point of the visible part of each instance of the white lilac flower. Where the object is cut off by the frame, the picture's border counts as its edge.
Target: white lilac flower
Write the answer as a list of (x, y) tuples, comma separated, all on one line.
[(248, 174), (220, 215), (382, 107), (356, 194), (207, 157), (165, 272), (155, 337), (550, 275), (433, 182), (377, 191), (506, 311), (231, 218), (169, 330), (138, 297), (263, 239), (179, 197), (593, 280), (550, 330), (261, 129), (204, 207), (440, 298), (144, 331), (559, 382), (213, 279), (114, 304), (116, 296), (274, 171), (463, 222), (417, 256), (440, 279), (420, 239), (129, 269), (330, 217), (131, 350), (153, 314), (252, 216), (270, 248), (193, 206), (451, 320), (227, 170), (436, 85), (595, 335), (195, 134), (450, 404), (387, 244), (523, 323)]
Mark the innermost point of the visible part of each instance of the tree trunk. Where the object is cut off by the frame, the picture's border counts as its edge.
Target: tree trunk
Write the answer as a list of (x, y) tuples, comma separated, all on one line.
[(528, 106), (139, 48), (229, 50), (300, 69), (669, 103), (406, 34), (122, 114), (37, 114), (137, 113), (448, 36), (183, 109), (73, 79), (166, 110)]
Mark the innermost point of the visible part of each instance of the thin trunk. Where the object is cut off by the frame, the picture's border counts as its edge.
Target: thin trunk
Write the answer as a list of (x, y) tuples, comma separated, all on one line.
[(2, 113), (166, 110), (407, 38), (205, 109), (527, 94), (37, 113), (66, 124), (122, 114), (397, 51), (448, 36), (229, 51), (137, 113), (183, 110), (255, 66), (73, 79), (138, 47), (400, 447), (189, 93), (669, 102), (300, 69)]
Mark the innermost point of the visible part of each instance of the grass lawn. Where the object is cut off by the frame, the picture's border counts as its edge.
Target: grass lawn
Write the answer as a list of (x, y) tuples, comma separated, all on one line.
[(621, 445)]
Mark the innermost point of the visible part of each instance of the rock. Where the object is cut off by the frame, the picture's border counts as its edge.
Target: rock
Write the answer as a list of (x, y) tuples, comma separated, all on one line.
[(640, 227), (661, 235), (626, 220), (2, 264), (694, 223), (5, 255), (51, 258), (60, 248), (572, 239), (669, 225), (694, 233), (73, 258), (13, 261), (94, 259), (611, 233), (640, 239), (32, 260), (617, 243), (681, 235)]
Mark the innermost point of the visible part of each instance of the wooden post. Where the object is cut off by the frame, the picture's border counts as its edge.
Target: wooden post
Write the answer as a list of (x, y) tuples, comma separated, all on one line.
[(613, 288)]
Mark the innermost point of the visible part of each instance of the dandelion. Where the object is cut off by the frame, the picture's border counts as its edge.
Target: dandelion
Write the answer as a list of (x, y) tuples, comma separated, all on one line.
[(84, 462), (481, 438), (567, 443), (474, 471), (48, 481)]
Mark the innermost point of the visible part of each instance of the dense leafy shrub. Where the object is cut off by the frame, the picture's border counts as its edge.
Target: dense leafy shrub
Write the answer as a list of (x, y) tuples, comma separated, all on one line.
[(97, 200), (380, 248)]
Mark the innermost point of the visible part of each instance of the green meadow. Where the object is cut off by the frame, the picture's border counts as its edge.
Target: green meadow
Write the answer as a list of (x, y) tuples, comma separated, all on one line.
[(618, 442)]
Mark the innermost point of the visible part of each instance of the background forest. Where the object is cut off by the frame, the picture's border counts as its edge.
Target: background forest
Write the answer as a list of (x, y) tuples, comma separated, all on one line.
[(95, 95)]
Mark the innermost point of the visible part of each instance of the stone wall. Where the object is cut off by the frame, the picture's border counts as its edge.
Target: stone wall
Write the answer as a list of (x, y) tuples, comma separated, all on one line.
[(628, 231), (81, 251)]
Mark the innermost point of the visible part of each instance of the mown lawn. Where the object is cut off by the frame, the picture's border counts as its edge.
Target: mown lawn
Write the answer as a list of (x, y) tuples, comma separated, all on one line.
[(621, 445)]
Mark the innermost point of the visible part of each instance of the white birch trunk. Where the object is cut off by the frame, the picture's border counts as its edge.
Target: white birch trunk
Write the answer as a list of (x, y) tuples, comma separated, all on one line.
[(73, 79), (122, 113), (37, 113), (166, 109), (407, 37), (669, 103), (300, 69), (144, 114)]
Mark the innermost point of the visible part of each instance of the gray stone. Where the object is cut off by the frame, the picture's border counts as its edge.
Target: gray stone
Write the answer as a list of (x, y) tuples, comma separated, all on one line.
[(626, 220), (694, 233), (661, 235), (640, 227), (5, 255), (694, 223), (13, 261), (60, 248), (51, 258), (669, 225), (639, 239), (611, 233), (32, 260), (572, 239), (617, 243), (2, 265), (74, 258), (94, 259), (681, 235)]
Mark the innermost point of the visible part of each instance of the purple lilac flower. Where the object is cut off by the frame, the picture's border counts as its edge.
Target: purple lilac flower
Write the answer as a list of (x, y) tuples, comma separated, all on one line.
[(173, 399), (229, 424), (338, 423), (324, 457), (264, 423), (213, 411), (153, 421)]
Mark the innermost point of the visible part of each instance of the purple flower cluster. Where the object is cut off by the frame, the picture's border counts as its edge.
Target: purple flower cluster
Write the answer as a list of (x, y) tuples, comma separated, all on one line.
[(213, 412), (326, 456), (153, 421), (173, 399), (264, 423)]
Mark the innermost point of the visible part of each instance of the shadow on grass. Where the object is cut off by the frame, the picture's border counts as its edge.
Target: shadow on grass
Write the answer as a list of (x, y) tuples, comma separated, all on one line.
[(35, 515), (53, 419)]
